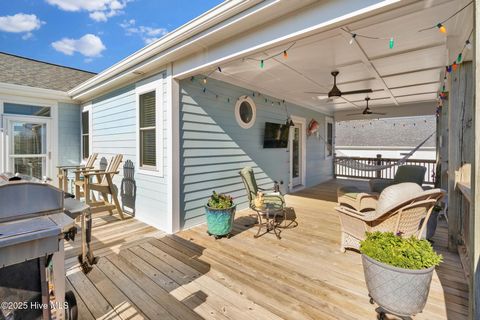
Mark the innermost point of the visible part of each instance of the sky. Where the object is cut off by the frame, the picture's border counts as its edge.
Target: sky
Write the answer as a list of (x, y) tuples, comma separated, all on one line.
[(90, 35)]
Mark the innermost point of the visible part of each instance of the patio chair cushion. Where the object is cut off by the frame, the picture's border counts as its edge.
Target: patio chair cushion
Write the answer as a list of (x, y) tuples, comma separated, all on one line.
[(410, 173), (348, 191), (249, 179), (397, 194)]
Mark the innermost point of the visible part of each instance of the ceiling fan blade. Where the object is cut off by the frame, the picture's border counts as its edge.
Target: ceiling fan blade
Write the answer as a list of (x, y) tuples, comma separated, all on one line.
[(379, 113), (354, 114), (358, 91), (316, 92)]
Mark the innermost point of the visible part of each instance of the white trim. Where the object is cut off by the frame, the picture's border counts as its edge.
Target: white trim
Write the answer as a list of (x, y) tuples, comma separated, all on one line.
[(303, 134), (32, 92), (156, 85), (240, 122), (86, 108), (327, 121), (173, 152)]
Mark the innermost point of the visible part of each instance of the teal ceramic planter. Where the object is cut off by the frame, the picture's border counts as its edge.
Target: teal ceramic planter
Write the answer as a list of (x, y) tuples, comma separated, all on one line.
[(220, 221)]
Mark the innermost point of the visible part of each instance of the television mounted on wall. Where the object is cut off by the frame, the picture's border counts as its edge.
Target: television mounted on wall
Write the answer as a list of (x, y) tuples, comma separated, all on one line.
[(276, 135)]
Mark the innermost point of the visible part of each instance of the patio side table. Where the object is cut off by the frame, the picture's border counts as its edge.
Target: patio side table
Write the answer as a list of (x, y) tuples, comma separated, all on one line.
[(267, 218)]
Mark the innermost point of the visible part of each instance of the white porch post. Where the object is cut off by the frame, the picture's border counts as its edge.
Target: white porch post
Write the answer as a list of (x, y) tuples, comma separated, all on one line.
[(173, 151)]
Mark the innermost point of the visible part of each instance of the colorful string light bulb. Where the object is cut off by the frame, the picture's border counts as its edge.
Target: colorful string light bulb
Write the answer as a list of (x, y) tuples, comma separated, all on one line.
[(454, 66), (354, 35), (285, 54), (441, 28), (459, 57), (391, 43), (262, 64), (468, 45), (204, 80)]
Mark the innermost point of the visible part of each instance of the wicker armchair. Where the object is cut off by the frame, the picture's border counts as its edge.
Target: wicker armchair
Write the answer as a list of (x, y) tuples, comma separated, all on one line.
[(355, 198), (402, 209), (407, 173)]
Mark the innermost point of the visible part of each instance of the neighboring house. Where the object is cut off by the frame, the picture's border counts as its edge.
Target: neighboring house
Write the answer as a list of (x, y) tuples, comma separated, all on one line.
[(189, 110), (40, 123), (390, 137)]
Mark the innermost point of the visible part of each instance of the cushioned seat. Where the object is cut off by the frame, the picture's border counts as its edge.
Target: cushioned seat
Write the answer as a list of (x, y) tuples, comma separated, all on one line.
[(407, 173), (356, 198)]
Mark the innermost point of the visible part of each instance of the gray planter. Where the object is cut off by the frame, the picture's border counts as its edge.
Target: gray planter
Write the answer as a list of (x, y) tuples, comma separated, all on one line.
[(402, 292)]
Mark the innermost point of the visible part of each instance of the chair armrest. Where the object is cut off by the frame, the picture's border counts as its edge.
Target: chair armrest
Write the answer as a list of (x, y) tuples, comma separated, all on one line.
[(377, 185), (69, 167), (350, 212), (88, 170), (96, 173), (276, 196)]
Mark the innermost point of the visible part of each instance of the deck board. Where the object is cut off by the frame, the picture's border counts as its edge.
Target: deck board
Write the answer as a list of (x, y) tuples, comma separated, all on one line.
[(145, 274)]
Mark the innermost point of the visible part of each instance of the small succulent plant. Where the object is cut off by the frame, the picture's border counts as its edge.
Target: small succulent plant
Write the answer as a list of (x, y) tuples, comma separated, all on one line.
[(220, 201)]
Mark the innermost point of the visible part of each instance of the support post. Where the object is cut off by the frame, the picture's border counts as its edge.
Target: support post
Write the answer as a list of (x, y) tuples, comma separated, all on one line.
[(474, 223), (379, 163)]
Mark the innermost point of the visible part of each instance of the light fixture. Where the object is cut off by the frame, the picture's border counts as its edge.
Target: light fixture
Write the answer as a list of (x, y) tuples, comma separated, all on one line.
[(205, 80), (391, 43), (289, 122), (262, 64), (468, 45)]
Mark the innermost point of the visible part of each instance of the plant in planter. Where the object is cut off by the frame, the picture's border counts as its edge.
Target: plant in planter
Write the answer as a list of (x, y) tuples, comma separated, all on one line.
[(220, 211), (398, 272)]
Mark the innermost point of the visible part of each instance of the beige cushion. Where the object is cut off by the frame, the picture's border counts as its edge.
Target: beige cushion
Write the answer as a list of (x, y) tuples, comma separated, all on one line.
[(397, 194)]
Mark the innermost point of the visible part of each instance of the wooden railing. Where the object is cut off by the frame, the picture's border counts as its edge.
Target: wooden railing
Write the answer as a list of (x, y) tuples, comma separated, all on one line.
[(389, 173)]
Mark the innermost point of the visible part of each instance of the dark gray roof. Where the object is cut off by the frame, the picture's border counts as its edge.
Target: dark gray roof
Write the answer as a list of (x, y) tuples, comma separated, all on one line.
[(398, 132), (28, 72)]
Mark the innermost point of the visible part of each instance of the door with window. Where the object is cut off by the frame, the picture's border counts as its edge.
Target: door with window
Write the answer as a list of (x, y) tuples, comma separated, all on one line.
[(296, 160), (27, 149)]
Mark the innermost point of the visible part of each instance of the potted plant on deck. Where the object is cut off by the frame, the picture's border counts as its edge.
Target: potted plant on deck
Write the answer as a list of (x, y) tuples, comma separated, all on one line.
[(220, 212), (398, 272)]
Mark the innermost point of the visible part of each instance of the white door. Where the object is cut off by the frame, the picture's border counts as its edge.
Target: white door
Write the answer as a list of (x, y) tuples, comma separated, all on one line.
[(27, 145), (296, 154)]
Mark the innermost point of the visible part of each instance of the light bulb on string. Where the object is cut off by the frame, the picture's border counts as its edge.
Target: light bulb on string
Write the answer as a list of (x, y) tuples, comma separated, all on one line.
[(219, 69), (204, 80), (391, 43), (285, 54), (441, 28), (262, 64), (454, 66), (354, 35), (468, 45), (459, 57)]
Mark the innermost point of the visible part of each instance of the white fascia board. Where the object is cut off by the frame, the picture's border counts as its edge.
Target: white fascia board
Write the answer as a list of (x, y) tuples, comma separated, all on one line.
[(8, 89)]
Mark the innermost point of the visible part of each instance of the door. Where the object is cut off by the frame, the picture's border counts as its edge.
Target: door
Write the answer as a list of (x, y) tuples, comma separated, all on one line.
[(296, 161), (27, 149)]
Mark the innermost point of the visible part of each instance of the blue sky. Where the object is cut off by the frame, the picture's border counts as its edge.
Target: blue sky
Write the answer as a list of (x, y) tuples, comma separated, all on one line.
[(90, 34)]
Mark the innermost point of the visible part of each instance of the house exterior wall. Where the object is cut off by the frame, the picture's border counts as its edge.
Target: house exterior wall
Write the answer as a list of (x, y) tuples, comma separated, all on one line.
[(68, 134), (213, 147), (114, 130)]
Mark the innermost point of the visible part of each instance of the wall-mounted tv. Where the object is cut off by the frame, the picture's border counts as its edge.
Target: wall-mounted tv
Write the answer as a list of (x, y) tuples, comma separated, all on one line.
[(276, 135)]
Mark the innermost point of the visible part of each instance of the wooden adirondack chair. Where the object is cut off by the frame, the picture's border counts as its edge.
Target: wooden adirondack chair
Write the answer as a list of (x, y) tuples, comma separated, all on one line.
[(62, 174), (103, 185)]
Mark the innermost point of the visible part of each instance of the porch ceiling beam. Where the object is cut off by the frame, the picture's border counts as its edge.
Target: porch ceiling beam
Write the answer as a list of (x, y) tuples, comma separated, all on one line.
[(409, 51), (369, 65)]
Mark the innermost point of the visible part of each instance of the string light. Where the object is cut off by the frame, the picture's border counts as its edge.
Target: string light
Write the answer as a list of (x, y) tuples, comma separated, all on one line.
[(262, 64), (391, 43), (459, 57), (441, 25), (468, 45), (204, 80), (285, 54), (354, 35), (454, 66), (391, 40)]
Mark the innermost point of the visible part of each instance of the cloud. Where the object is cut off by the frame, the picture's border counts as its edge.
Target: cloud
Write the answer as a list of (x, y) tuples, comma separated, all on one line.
[(99, 10), (20, 22), (89, 45), (148, 34)]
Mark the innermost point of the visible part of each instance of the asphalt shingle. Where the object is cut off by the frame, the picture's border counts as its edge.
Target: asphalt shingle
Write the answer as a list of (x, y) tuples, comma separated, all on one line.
[(28, 72)]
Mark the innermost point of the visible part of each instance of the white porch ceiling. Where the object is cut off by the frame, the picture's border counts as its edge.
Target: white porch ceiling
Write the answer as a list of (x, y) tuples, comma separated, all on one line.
[(410, 72)]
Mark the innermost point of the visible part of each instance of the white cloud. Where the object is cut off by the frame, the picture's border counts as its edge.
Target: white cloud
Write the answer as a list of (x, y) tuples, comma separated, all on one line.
[(100, 10), (148, 34), (89, 45), (20, 22)]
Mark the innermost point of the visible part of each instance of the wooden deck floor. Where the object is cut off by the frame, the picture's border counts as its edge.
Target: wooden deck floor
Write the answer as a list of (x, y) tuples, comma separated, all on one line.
[(144, 274)]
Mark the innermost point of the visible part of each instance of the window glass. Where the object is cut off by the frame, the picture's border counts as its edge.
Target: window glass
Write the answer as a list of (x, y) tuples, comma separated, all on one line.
[(147, 112), (85, 135), (27, 110)]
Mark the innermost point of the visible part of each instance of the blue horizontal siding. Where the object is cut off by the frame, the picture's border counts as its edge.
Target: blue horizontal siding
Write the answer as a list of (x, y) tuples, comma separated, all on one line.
[(114, 131), (214, 147), (68, 134)]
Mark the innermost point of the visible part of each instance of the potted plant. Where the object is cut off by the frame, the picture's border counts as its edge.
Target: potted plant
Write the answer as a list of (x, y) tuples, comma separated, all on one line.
[(398, 272), (220, 212)]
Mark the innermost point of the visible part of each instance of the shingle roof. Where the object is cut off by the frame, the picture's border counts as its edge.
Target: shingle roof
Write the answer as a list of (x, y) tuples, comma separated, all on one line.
[(398, 132), (28, 72)]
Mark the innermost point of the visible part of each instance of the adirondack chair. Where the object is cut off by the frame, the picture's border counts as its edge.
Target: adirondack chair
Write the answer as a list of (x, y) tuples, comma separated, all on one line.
[(103, 185), (62, 174)]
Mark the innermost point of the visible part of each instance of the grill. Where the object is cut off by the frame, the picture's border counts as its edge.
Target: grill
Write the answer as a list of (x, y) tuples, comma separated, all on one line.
[(33, 225)]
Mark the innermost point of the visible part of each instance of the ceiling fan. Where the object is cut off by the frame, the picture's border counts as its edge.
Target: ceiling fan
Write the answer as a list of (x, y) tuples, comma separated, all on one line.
[(366, 111), (335, 92)]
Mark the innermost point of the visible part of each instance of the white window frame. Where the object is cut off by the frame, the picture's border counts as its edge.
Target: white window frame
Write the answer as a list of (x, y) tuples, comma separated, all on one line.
[(237, 112), (158, 86), (327, 121), (86, 108)]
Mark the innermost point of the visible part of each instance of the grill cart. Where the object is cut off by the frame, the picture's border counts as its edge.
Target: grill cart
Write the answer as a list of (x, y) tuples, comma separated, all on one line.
[(33, 226)]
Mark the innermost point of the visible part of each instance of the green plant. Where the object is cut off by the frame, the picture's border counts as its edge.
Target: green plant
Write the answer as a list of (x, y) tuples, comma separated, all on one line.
[(407, 253), (220, 201)]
